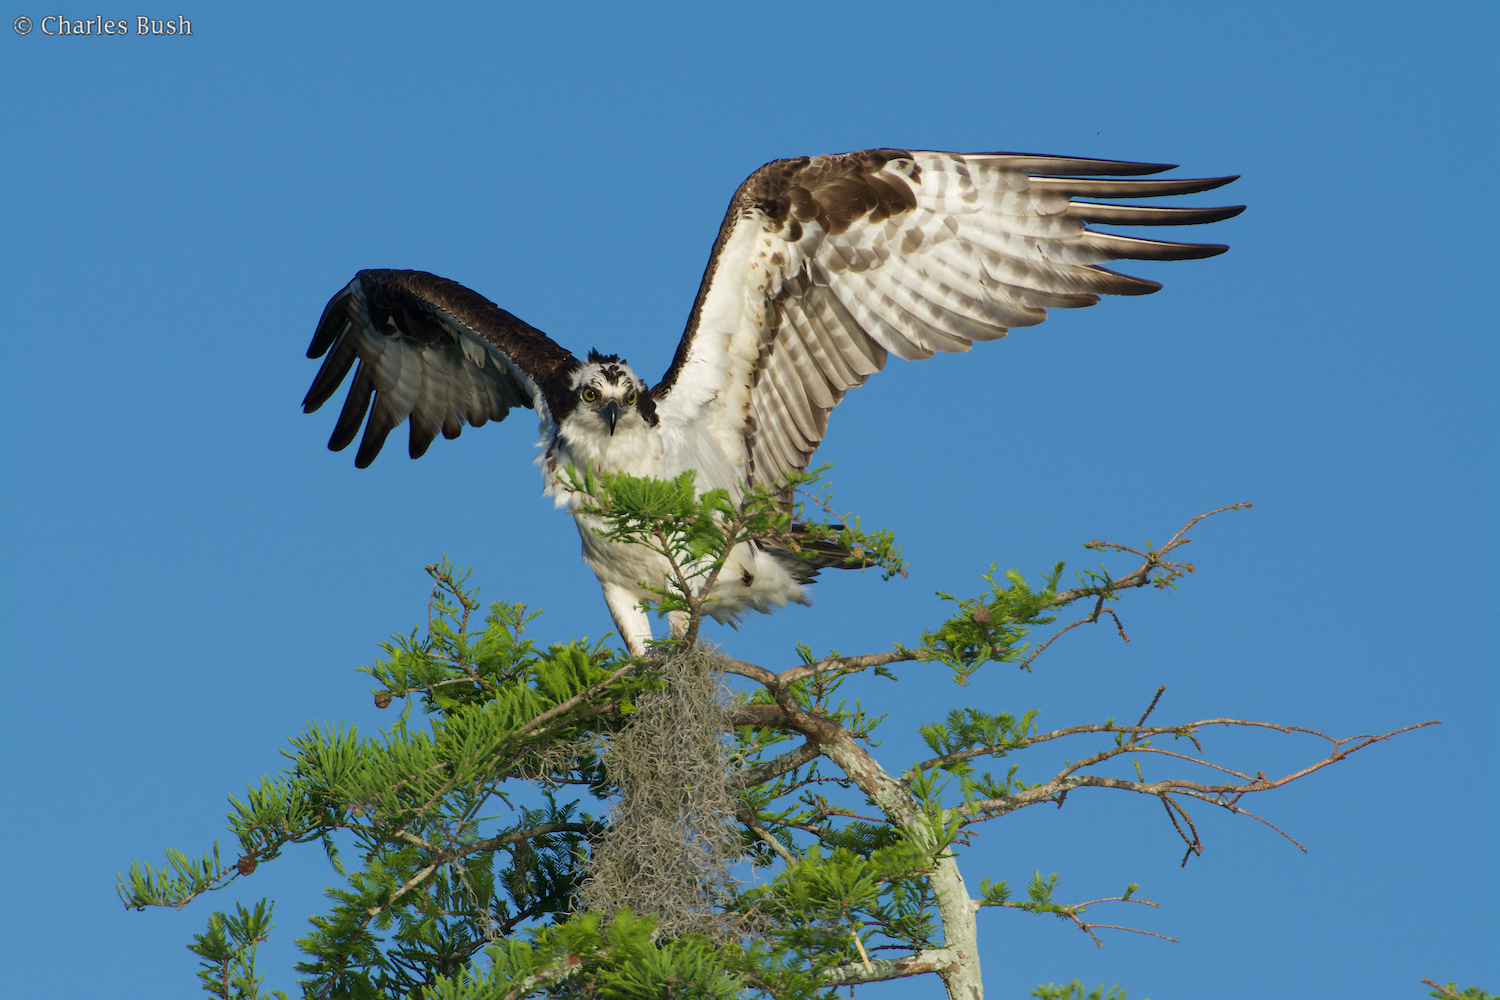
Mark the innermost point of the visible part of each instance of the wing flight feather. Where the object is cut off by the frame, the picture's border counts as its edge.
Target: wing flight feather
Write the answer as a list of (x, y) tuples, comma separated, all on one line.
[(825, 264), (431, 351)]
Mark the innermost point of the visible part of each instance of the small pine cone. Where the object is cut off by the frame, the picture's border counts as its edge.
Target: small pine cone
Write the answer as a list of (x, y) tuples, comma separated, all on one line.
[(382, 699), (247, 864), (981, 615)]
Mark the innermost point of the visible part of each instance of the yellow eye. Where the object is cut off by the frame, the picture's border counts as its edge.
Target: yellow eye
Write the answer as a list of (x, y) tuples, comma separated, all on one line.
[(630, 399), (590, 394)]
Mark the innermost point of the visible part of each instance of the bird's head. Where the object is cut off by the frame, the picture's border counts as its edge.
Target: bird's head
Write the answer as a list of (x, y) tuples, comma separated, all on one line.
[(607, 391)]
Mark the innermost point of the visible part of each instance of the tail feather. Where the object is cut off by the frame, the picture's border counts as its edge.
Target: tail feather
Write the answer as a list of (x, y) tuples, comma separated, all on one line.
[(808, 555)]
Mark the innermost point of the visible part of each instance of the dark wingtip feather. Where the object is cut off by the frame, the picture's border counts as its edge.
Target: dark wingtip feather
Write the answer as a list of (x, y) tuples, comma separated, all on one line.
[(385, 416), (1129, 285), (1210, 183), (330, 374), (1133, 248), (1086, 187), (1085, 166), (1227, 212), (356, 404), (420, 437), (370, 445), (1148, 215), (330, 323)]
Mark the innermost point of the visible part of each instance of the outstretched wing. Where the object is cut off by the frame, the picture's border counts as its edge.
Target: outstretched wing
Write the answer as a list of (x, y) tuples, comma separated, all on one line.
[(825, 264), (432, 350)]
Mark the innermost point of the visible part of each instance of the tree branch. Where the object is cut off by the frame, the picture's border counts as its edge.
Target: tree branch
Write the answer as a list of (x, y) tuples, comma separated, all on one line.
[(749, 777), (1226, 796), (933, 960), (559, 970), (444, 856), (1142, 576), (849, 663)]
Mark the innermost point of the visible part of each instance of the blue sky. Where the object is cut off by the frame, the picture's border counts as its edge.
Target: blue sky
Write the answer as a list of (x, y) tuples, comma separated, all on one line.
[(189, 576)]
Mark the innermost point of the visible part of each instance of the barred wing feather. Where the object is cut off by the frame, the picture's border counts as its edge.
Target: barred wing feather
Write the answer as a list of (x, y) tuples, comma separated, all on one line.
[(825, 265), (430, 349)]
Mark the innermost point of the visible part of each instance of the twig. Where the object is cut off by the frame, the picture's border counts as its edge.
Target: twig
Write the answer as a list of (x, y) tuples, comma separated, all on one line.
[(862, 953), (1152, 707), (1093, 617), (746, 817), (557, 710), (1194, 844), (1089, 929), (1073, 913), (449, 855)]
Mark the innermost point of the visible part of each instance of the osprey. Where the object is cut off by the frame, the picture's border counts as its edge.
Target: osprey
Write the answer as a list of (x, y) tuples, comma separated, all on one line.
[(823, 267)]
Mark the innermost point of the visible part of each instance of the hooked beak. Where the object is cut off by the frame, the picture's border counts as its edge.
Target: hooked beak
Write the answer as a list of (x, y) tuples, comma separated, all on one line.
[(612, 414)]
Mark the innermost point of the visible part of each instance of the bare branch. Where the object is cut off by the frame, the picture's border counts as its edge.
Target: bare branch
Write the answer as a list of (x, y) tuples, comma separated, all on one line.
[(1073, 912), (1090, 928), (1225, 796), (1187, 730), (1152, 707), (756, 673), (854, 933), (1092, 617), (1142, 575), (1194, 843)]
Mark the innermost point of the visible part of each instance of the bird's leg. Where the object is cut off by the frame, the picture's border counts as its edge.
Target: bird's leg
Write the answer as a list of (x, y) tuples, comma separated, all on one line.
[(633, 624)]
